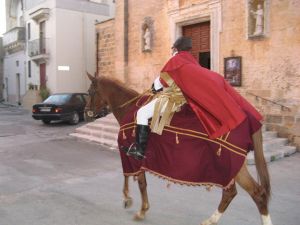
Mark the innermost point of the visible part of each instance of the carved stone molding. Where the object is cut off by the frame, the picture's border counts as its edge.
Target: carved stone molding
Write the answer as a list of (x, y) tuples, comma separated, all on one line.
[(197, 13)]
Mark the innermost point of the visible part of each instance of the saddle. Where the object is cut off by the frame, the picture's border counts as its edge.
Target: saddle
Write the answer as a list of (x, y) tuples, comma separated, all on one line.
[(184, 153)]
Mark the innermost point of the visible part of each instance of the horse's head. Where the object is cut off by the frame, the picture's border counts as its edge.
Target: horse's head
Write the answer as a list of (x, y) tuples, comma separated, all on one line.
[(97, 105)]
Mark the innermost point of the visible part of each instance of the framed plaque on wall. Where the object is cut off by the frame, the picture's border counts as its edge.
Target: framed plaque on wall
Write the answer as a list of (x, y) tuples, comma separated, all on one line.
[(233, 70)]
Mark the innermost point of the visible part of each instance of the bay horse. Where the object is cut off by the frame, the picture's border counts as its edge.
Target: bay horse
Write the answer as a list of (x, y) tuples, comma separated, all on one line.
[(106, 92)]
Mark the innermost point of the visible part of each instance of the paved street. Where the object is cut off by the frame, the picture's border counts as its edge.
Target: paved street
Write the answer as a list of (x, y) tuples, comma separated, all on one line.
[(50, 178)]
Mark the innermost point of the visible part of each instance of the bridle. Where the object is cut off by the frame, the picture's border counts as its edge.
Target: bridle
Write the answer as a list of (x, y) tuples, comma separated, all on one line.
[(105, 110), (90, 112)]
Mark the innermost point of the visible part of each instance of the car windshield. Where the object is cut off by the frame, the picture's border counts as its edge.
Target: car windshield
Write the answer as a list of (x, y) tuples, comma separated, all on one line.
[(58, 99)]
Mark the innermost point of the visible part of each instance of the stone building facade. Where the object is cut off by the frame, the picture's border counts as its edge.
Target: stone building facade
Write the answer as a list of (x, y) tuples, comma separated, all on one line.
[(105, 54), (262, 36), (1, 70)]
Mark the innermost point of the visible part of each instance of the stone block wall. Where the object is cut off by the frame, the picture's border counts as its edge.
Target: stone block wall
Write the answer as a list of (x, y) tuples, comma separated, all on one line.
[(1, 69), (106, 48), (145, 66), (270, 64)]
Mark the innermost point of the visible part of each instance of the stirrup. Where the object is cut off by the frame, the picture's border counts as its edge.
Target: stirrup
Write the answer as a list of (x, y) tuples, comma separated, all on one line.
[(134, 154)]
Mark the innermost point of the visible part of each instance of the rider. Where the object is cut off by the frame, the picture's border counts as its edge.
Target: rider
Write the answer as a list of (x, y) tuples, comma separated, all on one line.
[(217, 105)]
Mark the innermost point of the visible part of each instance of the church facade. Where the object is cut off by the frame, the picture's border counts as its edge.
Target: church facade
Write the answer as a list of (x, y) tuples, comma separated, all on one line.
[(255, 44)]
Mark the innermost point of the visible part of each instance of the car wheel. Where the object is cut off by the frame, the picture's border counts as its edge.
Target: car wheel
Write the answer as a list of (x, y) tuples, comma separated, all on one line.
[(46, 121), (75, 118)]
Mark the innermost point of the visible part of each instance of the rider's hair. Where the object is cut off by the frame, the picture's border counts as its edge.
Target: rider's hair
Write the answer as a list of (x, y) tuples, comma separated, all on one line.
[(183, 44)]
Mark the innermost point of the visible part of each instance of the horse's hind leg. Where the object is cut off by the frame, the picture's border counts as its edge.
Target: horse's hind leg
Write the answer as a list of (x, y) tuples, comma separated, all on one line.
[(245, 180), (227, 196), (127, 199), (145, 204)]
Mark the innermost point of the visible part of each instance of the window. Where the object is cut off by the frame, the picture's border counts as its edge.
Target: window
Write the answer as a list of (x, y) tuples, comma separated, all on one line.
[(29, 68), (28, 31), (17, 63), (77, 99)]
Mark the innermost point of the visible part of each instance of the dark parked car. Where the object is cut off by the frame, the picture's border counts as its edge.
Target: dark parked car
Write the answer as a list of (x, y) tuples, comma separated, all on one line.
[(66, 107)]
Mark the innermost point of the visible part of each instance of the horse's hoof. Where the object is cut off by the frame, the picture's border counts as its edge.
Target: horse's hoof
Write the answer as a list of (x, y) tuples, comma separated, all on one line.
[(127, 203), (138, 216)]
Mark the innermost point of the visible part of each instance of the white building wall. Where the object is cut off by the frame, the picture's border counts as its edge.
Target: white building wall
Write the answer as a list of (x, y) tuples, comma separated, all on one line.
[(70, 41), (10, 74), (11, 91), (76, 48), (50, 34)]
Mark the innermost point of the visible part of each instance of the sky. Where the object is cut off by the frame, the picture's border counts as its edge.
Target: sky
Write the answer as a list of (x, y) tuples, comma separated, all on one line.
[(2, 17)]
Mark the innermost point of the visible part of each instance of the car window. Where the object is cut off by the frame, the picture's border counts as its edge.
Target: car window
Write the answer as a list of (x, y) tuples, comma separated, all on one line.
[(58, 99), (77, 99), (85, 97)]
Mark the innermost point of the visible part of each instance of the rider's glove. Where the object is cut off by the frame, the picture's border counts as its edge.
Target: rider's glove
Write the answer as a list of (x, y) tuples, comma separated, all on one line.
[(156, 86), (154, 91)]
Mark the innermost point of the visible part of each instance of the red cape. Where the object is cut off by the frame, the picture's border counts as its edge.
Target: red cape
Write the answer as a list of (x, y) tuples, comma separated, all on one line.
[(217, 105)]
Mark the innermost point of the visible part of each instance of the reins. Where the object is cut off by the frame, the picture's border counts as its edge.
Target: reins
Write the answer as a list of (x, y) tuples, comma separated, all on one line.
[(135, 98)]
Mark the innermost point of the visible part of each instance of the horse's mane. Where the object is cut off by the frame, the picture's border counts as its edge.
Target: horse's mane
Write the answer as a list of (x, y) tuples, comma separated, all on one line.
[(120, 86)]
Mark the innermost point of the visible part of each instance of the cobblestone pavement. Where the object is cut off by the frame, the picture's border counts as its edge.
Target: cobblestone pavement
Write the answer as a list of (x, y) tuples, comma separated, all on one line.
[(50, 178)]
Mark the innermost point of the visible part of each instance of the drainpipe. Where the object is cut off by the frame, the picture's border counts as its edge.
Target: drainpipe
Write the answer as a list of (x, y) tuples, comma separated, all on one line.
[(126, 78), (97, 53)]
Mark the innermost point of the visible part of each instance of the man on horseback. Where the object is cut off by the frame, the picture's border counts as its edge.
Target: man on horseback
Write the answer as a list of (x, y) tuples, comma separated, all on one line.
[(217, 105)]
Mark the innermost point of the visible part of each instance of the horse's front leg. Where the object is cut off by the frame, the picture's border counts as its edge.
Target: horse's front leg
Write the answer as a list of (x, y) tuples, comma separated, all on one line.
[(145, 204), (227, 196), (127, 199)]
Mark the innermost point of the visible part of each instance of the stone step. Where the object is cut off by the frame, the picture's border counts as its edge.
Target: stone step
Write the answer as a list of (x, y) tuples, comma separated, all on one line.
[(98, 133), (105, 131), (112, 144), (103, 127), (270, 144), (107, 120), (272, 155), (269, 134)]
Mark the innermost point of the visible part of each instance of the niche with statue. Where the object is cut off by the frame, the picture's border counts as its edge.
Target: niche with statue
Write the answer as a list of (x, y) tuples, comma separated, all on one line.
[(147, 35), (257, 18)]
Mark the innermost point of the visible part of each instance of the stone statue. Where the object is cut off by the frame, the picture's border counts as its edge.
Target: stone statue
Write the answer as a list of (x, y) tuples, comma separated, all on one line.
[(259, 20), (147, 39)]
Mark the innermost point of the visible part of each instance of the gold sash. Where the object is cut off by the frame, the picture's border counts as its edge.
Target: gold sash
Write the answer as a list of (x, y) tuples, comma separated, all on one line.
[(172, 99)]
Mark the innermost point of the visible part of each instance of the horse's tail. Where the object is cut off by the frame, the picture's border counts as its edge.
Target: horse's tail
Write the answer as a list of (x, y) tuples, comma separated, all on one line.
[(261, 165)]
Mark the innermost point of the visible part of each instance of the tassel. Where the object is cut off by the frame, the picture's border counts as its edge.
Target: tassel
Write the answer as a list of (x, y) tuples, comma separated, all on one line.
[(124, 136), (177, 139), (133, 132), (168, 185), (219, 151), (208, 188)]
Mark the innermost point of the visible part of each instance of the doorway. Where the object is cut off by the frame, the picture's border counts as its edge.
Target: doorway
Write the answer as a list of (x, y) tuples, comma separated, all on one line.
[(200, 35), (42, 43), (43, 75), (18, 86)]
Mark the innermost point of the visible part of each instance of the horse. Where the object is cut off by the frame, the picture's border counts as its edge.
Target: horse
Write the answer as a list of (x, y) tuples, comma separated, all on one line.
[(106, 92)]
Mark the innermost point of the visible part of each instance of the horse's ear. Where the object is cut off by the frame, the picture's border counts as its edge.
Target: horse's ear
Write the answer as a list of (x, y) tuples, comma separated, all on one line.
[(90, 77)]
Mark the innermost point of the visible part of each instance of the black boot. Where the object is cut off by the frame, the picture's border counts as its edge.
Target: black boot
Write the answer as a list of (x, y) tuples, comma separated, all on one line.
[(137, 150)]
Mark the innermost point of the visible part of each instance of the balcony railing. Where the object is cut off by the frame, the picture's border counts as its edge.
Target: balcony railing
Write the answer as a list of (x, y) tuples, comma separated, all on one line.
[(37, 50), (14, 39), (37, 47)]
